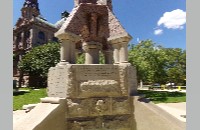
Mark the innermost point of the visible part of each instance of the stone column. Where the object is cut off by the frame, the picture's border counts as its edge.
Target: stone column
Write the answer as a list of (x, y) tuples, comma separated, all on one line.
[(64, 51), (91, 56), (34, 36), (116, 53), (31, 38), (14, 42), (22, 40), (120, 46), (123, 53), (67, 49), (72, 53), (92, 52), (108, 56), (18, 41)]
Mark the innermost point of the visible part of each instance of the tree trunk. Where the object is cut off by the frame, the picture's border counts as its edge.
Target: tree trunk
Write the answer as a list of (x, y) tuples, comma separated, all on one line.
[(141, 84), (20, 79)]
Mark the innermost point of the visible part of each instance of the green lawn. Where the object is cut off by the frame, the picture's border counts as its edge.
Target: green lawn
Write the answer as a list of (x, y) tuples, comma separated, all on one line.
[(30, 97), (163, 96)]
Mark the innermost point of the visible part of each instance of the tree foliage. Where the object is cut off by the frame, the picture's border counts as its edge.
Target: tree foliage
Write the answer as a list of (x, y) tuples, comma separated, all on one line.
[(38, 60), (176, 65), (156, 64)]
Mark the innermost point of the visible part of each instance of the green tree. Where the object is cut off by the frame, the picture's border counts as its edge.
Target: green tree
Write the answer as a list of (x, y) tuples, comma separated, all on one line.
[(158, 64), (148, 60), (80, 59), (176, 65), (38, 61)]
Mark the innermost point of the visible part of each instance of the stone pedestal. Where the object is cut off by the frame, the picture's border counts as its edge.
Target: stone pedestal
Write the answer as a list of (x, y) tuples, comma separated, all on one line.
[(97, 96)]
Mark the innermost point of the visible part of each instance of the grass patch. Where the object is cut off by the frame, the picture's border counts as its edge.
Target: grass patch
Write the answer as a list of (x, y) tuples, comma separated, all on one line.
[(27, 97), (163, 96)]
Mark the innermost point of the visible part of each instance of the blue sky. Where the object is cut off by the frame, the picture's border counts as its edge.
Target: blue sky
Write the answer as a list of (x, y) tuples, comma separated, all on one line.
[(163, 21)]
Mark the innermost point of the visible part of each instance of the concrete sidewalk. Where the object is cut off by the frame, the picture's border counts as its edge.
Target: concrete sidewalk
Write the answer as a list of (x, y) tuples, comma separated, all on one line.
[(150, 116), (166, 90), (177, 110)]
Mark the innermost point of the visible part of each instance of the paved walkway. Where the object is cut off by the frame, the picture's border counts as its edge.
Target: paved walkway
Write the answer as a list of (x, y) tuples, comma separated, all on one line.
[(177, 110), (168, 90), (18, 114)]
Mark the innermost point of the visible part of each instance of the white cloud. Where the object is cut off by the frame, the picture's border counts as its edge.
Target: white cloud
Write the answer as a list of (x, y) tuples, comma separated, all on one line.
[(138, 40), (173, 20), (158, 32)]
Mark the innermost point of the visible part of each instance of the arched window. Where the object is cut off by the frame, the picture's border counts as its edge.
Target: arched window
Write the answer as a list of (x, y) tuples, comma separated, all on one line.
[(18, 38), (41, 35), (27, 34)]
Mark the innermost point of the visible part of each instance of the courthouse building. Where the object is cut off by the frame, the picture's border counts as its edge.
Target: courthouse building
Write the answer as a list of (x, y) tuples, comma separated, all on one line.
[(31, 30)]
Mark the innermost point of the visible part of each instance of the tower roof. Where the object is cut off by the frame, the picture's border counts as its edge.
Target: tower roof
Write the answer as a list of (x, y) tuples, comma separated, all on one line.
[(31, 14), (31, 3)]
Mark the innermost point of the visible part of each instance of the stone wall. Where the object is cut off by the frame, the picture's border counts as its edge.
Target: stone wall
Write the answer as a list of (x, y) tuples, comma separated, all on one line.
[(97, 96), (74, 81)]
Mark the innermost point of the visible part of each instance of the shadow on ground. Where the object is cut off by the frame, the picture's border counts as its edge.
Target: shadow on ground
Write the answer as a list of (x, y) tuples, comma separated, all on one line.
[(20, 93), (159, 96)]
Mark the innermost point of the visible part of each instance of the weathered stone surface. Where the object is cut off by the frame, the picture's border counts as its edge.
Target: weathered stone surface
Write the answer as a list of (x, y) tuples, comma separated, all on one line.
[(116, 122), (60, 82), (96, 72), (128, 78), (97, 96), (122, 105), (99, 106), (99, 88), (91, 81), (92, 21)]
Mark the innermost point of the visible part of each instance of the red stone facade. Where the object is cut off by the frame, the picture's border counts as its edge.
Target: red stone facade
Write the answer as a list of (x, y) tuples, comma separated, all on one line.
[(30, 30)]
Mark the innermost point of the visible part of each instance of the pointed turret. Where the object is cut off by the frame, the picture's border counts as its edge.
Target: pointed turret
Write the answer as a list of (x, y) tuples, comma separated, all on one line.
[(30, 8)]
